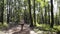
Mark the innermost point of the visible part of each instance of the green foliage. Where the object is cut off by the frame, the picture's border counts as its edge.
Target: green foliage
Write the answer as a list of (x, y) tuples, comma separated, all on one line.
[(20, 8), (47, 27), (0, 24), (3, 25), (42, 3), (44, 26), (57, 27)]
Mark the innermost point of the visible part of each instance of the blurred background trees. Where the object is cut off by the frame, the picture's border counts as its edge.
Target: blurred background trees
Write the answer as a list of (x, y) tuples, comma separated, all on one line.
[(33, 12)]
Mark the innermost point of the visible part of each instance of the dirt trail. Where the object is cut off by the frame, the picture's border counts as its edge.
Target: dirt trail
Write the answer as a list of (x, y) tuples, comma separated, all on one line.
[(17, 30), (26, 30)]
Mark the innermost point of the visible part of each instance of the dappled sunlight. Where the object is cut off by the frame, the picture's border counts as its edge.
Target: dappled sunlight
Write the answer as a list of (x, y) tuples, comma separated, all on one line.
[(32, 32), (29, 16)]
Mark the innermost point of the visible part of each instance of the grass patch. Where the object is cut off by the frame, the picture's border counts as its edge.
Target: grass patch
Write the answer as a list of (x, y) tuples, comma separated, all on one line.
[(57, 27), (3, 25), (46, 27)]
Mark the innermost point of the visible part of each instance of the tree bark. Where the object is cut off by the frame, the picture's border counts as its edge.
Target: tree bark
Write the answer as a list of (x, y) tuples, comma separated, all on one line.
[(8, 10), (52, 16), (2, 9), (48, 15), (34, 15), (29, 2)]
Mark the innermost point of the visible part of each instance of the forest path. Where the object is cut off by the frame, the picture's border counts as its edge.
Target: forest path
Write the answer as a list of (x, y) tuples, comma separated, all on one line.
[(17, 30), (26, 30)]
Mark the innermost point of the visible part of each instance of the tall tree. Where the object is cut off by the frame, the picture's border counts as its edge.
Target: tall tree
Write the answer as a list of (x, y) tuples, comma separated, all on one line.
[(59, 15), (52, 16), (48, 13), (7, 11), (29, 2), (1, 10), (34, 14), (45, 13)]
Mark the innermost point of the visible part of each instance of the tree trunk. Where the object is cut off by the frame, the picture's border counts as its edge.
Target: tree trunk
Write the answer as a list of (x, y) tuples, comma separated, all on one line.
[(48, 15), (52, 16), (8, 10), (59, 15), (2, 10), (34, 15), (29, 2), (45, 14)]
